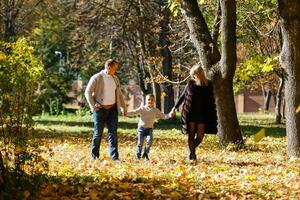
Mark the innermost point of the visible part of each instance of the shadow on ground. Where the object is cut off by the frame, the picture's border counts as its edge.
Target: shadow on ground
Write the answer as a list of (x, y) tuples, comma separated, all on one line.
[(126, 188), (162, 124), (270, 131)]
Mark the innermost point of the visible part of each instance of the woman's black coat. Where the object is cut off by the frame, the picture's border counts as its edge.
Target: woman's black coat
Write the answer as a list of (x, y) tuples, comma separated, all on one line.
[(210, 108)]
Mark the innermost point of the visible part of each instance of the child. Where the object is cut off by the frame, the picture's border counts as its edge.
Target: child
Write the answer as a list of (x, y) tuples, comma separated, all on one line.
[(148, 114)]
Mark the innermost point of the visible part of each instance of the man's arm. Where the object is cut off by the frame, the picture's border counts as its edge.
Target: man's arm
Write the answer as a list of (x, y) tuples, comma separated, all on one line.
[(90, 88), (122, 102)]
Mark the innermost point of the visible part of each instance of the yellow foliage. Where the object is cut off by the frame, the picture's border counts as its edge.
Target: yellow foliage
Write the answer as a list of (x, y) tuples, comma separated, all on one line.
[(26, 194)]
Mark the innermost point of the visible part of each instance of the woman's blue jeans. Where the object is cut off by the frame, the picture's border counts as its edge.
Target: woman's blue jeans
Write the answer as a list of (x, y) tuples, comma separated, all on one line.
[(144, 133), (110, 118)]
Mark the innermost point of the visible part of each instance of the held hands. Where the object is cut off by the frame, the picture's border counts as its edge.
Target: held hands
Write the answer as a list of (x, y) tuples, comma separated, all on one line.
[(172, 113), (124, 112)]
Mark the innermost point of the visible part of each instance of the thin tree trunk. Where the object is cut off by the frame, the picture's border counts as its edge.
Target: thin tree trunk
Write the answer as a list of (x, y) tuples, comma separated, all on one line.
[(278, 101), (157, 95), (112, 49), (2, 173), (217, 22), (155, 87), (141, 73), (290, 61), (167, 57), (267, 97)]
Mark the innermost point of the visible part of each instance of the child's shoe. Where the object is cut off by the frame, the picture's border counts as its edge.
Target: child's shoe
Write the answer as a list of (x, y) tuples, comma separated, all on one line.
[(145, 156)]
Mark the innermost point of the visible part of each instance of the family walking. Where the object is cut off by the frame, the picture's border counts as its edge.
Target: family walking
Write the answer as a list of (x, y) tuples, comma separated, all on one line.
[(106, 101)]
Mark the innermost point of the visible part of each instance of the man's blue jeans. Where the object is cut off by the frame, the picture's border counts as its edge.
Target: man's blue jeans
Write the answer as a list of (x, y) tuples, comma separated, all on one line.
[(110, 118), (144, 133)]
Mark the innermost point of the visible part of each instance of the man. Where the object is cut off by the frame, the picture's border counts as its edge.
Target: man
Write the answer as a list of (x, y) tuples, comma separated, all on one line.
[(104, 96)]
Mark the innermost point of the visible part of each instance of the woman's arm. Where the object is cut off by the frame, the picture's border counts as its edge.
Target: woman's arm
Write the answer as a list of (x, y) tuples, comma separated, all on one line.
[(181, 98), (179, 101)]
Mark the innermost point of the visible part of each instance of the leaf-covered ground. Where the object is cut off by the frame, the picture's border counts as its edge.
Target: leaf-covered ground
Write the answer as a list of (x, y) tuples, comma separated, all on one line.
[(257, 171)]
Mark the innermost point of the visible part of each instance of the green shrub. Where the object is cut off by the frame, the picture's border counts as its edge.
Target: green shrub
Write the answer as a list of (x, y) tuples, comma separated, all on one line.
[(20, 72)]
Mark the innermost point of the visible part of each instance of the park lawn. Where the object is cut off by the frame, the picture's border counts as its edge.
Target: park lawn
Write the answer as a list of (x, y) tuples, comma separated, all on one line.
[(257, 171)]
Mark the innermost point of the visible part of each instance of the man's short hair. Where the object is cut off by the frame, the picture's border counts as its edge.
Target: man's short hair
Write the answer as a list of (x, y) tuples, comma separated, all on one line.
[(110, 62)]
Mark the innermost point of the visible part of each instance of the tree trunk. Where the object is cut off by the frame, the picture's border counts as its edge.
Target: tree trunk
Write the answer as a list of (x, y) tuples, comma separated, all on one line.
[(157, 94), (143, 51), (2, 173), (228, 126), (217, 22), (9, 17), (167, 57), (141, 76), (278, 101), (267, 97), (199, 34), (229, 130), (290, 61), (112, 49)]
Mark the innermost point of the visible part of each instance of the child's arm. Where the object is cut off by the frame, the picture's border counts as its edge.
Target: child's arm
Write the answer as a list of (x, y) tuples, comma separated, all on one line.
[(160, 115)]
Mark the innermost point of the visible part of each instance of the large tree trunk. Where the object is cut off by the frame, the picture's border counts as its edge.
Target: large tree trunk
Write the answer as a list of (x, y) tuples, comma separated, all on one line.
[(167, 57), (228, 126), (290, 61), (229, 130)]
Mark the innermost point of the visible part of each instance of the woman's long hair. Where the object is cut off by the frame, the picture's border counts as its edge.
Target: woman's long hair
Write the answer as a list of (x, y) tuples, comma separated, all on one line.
[(198, 71)]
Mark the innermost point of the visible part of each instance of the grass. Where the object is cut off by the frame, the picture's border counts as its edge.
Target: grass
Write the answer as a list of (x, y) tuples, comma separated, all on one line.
[(257, 171)]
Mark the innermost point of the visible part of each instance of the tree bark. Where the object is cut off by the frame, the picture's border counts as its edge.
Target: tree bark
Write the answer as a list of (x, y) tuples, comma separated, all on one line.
[(290, 61), (167, 57), (228, 125)]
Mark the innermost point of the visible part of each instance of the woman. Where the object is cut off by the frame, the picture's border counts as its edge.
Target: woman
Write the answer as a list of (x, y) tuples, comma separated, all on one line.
[(198, 114)]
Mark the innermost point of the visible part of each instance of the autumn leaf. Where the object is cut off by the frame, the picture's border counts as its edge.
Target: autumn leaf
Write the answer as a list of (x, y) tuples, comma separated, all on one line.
[(298, 109), (260, 135)]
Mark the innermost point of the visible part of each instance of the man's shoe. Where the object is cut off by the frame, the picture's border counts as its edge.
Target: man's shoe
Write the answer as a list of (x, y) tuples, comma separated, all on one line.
[(138, 156)]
